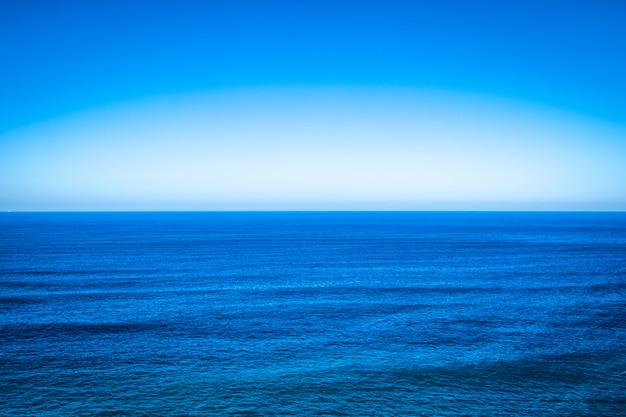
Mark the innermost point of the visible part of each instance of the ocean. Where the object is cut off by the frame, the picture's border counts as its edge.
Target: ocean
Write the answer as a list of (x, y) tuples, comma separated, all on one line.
[(313, 314)]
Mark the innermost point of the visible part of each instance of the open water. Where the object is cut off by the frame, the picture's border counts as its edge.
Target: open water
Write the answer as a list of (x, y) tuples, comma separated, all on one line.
[(320, 314)]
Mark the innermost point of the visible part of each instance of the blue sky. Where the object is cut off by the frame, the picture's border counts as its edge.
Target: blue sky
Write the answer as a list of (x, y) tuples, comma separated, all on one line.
[(193, 105)]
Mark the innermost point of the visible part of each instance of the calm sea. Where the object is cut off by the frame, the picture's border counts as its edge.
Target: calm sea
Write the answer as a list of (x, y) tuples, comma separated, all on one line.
[(313, 314)]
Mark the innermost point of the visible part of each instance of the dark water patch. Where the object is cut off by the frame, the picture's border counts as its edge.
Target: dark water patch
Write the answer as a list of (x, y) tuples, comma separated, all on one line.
[(9, 302), (71, 285), (25, 273), (611, 287), (19, 331)]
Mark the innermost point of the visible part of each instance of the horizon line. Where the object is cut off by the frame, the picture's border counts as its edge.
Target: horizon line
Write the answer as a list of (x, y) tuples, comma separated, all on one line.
[(329, 211)]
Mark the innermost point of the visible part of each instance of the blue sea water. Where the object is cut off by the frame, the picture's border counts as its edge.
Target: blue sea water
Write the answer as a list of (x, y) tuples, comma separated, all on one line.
[(320, 314)]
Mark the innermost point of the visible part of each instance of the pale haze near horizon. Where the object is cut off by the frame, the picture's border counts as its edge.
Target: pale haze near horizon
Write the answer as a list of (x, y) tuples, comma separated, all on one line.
[(315, 149)]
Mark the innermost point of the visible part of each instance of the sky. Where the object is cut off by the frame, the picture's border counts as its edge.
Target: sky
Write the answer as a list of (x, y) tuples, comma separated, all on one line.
[(312, 105)]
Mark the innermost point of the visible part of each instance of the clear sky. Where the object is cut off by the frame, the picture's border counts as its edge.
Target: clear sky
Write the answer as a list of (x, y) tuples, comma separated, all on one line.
[(255, 105)]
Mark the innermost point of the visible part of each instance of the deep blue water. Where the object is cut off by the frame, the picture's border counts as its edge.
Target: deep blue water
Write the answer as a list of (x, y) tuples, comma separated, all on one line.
[(333, 314)]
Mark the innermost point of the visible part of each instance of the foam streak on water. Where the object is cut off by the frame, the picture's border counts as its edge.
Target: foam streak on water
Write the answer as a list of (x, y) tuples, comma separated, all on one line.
[(193, 314)]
